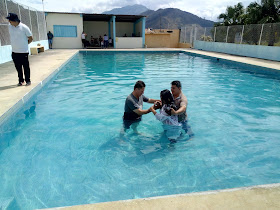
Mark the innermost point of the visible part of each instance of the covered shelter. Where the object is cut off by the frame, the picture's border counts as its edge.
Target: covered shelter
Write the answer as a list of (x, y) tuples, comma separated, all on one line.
[(126, 31)]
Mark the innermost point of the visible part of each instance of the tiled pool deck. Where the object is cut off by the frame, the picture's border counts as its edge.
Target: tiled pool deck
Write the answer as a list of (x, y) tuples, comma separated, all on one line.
[(44, 64)]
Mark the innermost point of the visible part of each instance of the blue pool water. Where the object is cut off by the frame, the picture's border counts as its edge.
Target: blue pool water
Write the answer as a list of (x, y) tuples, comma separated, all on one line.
[(63, 148)]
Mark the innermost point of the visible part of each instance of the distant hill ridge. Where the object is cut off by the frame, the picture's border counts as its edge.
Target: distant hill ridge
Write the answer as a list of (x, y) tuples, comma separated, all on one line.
[(169, 18), (172, 18), (135, 9)]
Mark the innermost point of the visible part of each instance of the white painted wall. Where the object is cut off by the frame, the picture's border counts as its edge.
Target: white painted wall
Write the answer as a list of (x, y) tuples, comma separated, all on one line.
[(65, 19), (255, 51), (128, 42), (6, 51)]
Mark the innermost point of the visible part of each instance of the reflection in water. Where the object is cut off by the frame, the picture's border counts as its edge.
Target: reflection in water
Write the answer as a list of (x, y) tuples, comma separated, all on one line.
[(31, 111)]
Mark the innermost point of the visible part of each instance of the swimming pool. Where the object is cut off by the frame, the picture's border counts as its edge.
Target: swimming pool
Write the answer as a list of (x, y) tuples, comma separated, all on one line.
[(64, 148)]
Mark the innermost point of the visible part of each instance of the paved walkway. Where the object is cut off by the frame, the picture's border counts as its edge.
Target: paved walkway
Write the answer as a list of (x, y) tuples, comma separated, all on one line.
[(241, 59), (41, 65), (44, 64)]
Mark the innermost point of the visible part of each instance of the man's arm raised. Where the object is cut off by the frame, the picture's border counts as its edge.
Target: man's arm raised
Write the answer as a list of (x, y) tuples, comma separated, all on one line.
[(141, 112)]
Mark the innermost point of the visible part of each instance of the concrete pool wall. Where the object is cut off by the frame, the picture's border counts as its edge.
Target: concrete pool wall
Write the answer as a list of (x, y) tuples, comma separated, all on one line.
[(255, 51)]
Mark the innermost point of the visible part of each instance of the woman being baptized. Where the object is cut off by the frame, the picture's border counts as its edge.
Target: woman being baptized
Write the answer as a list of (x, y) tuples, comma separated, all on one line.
[(171, 126)]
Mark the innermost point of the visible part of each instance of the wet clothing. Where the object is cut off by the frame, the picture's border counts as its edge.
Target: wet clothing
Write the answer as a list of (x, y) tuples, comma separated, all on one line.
[(183, 118), (170, 125), (131, 104), (128, 123), (179, 102)]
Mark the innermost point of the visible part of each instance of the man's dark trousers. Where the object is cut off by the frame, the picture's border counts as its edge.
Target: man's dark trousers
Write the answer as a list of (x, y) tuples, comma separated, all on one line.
[(21, 60)]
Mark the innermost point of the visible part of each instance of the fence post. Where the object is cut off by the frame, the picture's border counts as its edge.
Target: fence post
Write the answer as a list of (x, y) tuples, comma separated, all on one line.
[(30, 21), (227, 33), (261, 35), (195, 32), (191, 35), (6, 8), (19, 12), (38, 26), (242, 35), (215, 34), (204, 34), (185, 35)]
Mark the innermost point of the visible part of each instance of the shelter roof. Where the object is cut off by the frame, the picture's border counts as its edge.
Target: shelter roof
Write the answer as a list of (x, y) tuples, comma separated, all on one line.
[(105, 17)]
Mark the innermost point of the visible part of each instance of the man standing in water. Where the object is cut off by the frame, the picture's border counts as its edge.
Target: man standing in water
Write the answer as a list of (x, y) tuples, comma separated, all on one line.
[(181, 102), (133, 109), (20, 36)]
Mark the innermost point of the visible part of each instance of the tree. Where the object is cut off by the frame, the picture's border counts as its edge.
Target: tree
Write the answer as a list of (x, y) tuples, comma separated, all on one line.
[(266, 12), (270, 11), (233, 15), (253, 13)]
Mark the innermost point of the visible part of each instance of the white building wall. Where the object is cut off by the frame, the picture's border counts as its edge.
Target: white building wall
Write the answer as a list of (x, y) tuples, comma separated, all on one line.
[(128, 42), (65, 19)]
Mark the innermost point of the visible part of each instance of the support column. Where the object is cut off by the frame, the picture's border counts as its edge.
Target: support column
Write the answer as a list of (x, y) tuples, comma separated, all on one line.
[(143, 30), (114, 30), (109, 29), (134, 28)]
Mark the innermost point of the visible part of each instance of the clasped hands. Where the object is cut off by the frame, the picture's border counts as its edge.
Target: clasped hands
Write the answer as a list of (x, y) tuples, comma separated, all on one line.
[(158, 105)]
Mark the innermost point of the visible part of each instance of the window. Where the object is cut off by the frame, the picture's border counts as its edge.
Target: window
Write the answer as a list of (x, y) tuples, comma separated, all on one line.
[(64, 31)]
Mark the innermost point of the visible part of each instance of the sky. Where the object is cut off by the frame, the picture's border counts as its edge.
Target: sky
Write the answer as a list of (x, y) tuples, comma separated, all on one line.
[(208, 9)]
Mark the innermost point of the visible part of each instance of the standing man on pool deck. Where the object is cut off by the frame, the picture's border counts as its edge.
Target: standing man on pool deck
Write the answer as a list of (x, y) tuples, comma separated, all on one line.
[(181, 102), (50, 39), (133, 109), (20, 36)]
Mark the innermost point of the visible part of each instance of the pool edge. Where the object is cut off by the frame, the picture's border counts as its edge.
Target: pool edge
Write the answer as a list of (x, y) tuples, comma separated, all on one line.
[(45, 81), (28, 95), (253, 197)]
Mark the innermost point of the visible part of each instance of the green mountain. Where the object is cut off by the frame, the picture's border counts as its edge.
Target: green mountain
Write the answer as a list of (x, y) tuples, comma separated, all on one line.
[(171, 18), (135, 9)]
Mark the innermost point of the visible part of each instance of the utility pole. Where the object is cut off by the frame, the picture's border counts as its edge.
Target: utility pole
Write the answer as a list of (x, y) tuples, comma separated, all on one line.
[(43, 6), (160, 24)]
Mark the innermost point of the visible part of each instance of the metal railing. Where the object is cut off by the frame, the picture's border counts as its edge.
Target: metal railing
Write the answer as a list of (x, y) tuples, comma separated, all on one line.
[(33, 18), (256, 34)]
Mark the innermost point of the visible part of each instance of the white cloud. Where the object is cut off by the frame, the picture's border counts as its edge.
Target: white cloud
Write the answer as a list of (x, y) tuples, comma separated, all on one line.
[(202, 8)]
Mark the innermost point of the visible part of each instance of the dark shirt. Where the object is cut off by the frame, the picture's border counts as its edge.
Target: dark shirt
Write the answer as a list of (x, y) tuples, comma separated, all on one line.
[(50, 35), (131, 104)]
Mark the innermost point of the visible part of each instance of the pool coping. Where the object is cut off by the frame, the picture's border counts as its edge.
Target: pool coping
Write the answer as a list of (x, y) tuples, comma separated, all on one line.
[(253, 197), (34, 89)]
